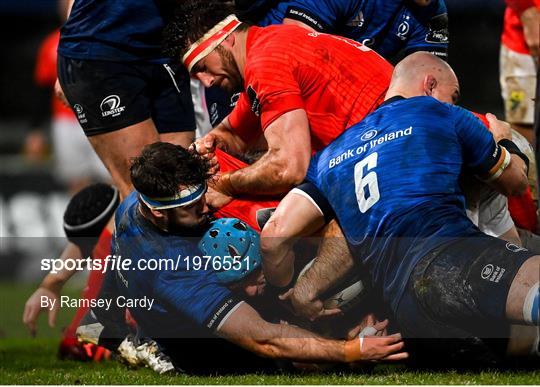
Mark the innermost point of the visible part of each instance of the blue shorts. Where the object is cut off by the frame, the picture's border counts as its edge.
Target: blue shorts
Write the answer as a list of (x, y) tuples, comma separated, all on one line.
[(460, 289), (108, 96)]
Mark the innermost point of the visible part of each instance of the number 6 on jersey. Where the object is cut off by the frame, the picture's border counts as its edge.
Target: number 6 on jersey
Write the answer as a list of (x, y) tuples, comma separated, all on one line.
[(366, 198)]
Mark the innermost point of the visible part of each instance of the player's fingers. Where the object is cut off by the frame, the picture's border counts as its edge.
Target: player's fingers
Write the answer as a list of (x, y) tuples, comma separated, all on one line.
[(395, 338), (285, 296), (491, 118), (396, 356), (29, 319), (209, 141), (52, 316), (370, 319), (329, 312), (381, 325), (395, 348), (354, 332)]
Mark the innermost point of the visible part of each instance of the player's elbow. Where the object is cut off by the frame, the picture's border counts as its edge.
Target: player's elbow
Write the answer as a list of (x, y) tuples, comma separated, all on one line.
[(293, 175)]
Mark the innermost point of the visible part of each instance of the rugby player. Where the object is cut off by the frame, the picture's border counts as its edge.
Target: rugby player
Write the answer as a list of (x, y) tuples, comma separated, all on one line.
[(155, 221), (298, 100), (397, 199), (85, 218), (392, 28), (123, 90)]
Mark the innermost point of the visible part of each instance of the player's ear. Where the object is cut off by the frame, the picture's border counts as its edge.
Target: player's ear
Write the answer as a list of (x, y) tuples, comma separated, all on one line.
[(430, 83), (158, 213), (229, 41)]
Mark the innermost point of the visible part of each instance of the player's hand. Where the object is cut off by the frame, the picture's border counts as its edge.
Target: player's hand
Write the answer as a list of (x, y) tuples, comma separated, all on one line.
[(500, 129), (33, 308), (206, 144), (375, 349), (312, 309), (206, 147), (216, 199), (530, 19), (60, 93), (369, 326)]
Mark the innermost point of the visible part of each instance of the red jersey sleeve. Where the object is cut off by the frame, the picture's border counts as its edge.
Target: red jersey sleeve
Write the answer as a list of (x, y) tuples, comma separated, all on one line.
[(270, 81), (243, 121)]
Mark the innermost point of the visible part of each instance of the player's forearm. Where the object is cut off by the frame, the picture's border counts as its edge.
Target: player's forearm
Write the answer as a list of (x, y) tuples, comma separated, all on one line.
[(272, 174), (278, 262), (333, 262), (227, 140), (513, 180), (284, 341)]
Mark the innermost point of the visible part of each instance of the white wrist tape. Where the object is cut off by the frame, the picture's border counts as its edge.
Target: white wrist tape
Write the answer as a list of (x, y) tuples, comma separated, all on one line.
[(367, 331)]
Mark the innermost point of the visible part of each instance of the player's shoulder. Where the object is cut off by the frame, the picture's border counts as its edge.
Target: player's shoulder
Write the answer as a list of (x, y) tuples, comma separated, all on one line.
[(130, 201)]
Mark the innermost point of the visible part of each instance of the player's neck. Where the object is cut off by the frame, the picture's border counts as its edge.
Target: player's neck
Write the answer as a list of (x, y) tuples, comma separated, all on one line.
[(394, 92)]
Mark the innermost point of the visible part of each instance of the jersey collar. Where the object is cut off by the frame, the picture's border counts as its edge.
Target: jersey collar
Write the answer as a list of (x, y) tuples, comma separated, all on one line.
[(392, 100)]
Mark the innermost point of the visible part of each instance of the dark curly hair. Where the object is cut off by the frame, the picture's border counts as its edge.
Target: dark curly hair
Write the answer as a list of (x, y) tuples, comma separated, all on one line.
[(191, 19), (163, 167)]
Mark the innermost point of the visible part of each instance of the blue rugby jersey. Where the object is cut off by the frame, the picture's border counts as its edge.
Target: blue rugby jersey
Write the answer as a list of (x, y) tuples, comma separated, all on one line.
[(387, 26), (392, 182), (188, 303), (114, 30)]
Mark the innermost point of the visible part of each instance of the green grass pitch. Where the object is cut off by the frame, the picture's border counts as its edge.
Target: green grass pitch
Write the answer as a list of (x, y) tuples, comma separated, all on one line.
[(24, 360)]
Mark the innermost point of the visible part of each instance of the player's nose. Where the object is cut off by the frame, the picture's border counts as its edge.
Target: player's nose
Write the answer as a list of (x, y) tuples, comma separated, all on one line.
[(206, 79)]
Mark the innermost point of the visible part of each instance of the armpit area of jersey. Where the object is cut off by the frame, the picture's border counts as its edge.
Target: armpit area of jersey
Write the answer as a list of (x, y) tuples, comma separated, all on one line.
[(310, 191)]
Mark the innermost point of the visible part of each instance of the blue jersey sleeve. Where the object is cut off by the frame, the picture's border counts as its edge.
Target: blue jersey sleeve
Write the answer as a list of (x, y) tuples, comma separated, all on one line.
[(429, 28), (480, 151), (196, 293), (323, 16)]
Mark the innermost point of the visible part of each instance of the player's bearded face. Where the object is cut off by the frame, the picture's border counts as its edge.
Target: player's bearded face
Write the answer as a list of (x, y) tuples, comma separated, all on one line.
[(188, 221), (232, 82)]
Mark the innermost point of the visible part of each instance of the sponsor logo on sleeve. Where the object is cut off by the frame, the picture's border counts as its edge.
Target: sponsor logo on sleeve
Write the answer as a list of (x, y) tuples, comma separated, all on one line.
[(254, 99), (305, 17)]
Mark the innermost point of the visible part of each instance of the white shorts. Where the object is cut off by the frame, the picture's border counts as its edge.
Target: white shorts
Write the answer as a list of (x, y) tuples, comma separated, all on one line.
[(518, 85), (74, 156), (486, 208)]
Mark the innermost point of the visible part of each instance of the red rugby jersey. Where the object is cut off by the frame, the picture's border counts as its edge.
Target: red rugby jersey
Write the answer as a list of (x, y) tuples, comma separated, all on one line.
[(337, 81), (245, 208)]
